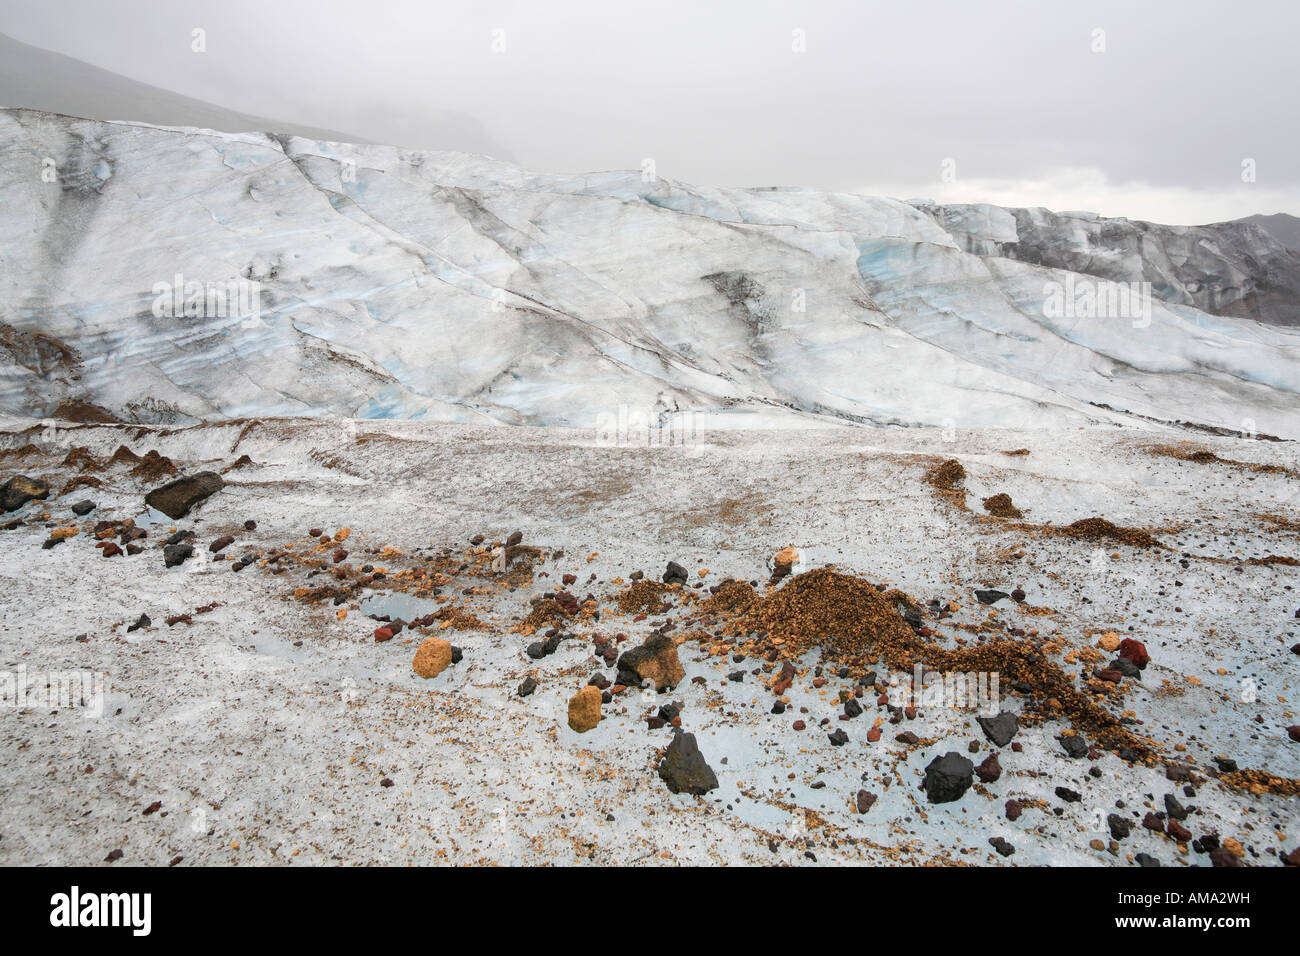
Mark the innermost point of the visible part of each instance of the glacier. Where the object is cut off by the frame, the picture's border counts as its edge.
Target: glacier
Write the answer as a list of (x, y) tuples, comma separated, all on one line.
[(446, 286)]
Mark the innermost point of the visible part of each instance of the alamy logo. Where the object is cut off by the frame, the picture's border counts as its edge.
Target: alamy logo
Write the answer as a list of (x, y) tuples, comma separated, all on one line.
[(103, 909), (642, 428), (1098, 299), (57, 690), (235, 298)]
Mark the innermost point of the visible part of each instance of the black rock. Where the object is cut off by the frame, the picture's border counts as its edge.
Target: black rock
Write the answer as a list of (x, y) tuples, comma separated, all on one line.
[(1226, 764), (684, 769), (668, 711), (948, 777), (176, 498), (1000, 729), (990, 597), (1120, 827), (852, 708), (536, 650), (178, 536), (736, 676), (1206, 843), (174, 554), (913, 617), (778, 708), (527, 687), (1001, 845), (1126, 667), (675, 573), (141, 621), (1174, 808), (1146, 861), (1074, 747), (456, 654), (552, 644), (1068, 795), (83, 508), (514, 539), (839, 738)]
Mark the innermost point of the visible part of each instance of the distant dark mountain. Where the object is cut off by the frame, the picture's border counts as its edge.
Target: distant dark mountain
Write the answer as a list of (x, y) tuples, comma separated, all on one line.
[(33, 78), (1282, 227)]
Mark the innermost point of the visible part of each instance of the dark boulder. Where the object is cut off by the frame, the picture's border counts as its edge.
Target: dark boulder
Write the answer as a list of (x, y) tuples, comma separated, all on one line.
[(176, 498), (1000, 729), (675, 574), (19, 490), (684, 769), (948, 777)]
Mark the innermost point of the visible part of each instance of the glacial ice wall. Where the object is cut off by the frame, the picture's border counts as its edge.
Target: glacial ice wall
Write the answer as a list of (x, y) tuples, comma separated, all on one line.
[(394, 283)]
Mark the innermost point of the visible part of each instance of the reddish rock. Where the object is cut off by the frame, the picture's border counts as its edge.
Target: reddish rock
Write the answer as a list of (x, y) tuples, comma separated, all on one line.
[(1014, 809), (1134, 651), (569, 579), (873, 735), (315, 532), (1294, 732), (339, 555), (225, 541), (1224, 857), (990, 770), (1178, 831), (865, 800), (1112, 676), (784, 679), (799, 725), (1153, 823), (383, 634), (111, 550)]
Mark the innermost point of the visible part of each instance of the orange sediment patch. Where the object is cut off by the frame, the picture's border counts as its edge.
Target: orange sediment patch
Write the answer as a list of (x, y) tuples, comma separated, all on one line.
[(1001, 506), (852, 621)]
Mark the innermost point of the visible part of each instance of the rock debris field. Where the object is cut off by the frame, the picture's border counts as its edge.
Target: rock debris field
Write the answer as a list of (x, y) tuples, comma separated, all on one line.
[(391, 643)]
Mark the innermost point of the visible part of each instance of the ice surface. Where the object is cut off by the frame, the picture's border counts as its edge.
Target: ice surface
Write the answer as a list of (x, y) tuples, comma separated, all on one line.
[(451, 287)]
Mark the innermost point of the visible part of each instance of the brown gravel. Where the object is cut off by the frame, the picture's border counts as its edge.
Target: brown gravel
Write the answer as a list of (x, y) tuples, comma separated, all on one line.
[(643, 597), (853, 622), (1095, 529), (1001, 506)]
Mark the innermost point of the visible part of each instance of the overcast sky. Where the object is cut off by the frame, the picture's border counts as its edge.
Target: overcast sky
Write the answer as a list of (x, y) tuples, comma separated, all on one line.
[(1156, 126)]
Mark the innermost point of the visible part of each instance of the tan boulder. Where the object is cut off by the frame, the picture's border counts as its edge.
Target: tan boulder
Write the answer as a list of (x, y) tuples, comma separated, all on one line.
[(432, 658), (584, 709), (655, 661)]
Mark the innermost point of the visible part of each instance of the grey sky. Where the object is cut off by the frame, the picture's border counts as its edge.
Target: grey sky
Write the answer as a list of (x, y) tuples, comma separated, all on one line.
[(1155, 127)]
